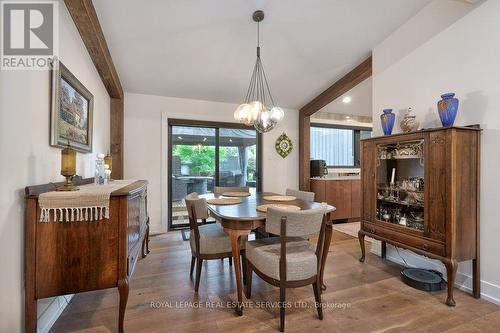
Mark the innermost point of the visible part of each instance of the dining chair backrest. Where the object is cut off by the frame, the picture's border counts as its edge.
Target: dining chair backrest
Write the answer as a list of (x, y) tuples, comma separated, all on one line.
[(298, 223), (301, 195), (199, 205), (223, 189)]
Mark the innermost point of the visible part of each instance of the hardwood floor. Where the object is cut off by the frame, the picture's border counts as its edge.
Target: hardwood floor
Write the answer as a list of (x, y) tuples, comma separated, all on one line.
[(376, 299)]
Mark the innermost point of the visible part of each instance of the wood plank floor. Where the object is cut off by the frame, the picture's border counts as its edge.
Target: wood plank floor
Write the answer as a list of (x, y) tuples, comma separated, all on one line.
[(367, 297)]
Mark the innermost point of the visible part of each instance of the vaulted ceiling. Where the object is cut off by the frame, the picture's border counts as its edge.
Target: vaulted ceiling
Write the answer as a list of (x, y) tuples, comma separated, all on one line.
[(360, 104), (205, 50)]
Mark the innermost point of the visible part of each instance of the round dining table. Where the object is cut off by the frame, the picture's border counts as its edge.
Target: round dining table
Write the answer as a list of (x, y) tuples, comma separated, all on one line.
[(240, 219)]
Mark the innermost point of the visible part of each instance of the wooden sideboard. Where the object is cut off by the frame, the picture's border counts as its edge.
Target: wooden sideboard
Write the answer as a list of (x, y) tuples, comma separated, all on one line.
[(71, 257), (435, 189), (343, 194)]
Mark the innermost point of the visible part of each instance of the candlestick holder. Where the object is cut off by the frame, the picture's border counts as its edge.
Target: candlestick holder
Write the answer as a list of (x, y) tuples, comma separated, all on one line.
[(68, 169), (68, 185), (392, 192)]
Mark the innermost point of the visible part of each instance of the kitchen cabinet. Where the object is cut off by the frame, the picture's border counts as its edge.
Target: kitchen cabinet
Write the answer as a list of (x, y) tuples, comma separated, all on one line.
[(344, 194)]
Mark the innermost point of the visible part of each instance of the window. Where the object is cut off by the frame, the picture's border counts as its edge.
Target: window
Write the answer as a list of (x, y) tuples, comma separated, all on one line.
[(207, 154), (338, 145)]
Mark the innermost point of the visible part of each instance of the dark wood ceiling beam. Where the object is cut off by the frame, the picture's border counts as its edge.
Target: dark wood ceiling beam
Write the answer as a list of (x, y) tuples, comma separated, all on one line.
[(346, 83), (87, 23), (362, 72)]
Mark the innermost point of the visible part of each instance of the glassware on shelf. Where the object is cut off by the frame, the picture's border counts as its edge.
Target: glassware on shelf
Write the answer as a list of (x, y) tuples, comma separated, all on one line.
[(99, 174), (400, 184), (386, 216), (402, 220)]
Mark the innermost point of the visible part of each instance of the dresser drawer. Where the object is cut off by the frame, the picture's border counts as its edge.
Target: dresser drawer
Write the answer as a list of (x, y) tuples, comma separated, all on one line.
[(409, 240), (136, 219)]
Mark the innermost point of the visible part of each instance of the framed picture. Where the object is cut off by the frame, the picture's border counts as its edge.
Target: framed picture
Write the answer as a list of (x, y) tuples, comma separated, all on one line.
[(72, 107)]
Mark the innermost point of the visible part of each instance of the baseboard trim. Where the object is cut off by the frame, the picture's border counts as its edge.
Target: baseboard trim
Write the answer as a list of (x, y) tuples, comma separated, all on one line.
[(48, 317), (489, 291)]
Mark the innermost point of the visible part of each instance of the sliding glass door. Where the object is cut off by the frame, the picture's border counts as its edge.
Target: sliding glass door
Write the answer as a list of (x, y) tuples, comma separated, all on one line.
[(205, 154), (237, 157)]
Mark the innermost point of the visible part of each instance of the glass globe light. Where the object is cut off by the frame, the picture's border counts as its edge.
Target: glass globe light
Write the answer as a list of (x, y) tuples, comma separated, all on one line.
[(264, 122), (256, 108), (277, 113), (242, 113)]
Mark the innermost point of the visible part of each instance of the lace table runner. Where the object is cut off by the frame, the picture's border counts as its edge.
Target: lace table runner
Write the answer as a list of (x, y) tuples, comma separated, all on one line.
[(89, 203)]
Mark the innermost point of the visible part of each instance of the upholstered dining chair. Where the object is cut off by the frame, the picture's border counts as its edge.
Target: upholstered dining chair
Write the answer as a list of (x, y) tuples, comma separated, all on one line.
[(288, 261), (223, 189), (207, 241), (302, 195)]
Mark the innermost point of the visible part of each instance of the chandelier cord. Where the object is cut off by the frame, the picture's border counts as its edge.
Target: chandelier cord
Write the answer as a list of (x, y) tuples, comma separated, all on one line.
[(258, 85), (255, 110), (258, 34), (267, 84)]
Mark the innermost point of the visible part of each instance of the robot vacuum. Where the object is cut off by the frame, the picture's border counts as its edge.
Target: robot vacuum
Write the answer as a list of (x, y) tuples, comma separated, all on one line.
[(423, 279)]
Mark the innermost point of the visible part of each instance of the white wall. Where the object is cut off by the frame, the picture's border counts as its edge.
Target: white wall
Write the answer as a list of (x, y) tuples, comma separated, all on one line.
[(146, 149), (463, 58), (432, 19), (27, 158)]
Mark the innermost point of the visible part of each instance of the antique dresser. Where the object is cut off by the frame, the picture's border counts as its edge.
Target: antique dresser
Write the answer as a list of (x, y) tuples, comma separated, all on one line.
[(71, 257), (420, 191)]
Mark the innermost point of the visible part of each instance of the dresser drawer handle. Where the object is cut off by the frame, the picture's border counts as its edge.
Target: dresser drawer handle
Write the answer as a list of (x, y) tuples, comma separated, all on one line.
[(425, 247)]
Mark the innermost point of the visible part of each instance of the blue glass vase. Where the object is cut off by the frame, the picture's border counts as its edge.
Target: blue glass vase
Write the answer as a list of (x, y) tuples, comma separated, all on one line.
[(447, 109), (387, 120)]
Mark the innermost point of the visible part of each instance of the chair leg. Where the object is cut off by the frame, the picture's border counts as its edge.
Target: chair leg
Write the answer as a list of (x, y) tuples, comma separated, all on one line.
[(199, 262), (248, 274), (244, 266), (193, 260), (282, 308), (230, 261), (317, 297)]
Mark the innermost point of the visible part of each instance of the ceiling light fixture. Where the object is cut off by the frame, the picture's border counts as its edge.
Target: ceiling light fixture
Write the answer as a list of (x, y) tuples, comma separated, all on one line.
[(259, 108), (347, 100)]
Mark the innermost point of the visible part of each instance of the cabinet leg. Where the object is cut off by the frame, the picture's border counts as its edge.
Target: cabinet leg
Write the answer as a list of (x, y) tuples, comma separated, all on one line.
[(476, 278), (384, 250), (123, 289), (145, 242), (147, 238), (361, 237), (451, 272)]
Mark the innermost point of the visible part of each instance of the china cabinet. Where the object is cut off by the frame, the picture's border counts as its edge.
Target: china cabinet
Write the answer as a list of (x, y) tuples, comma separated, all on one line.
[(420, 191)]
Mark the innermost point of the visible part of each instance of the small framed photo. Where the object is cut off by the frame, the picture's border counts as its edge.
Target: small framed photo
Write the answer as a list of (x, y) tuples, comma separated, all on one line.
[(72, 106)]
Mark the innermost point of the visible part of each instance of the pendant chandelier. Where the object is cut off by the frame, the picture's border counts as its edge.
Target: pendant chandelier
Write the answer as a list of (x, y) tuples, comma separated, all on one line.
[(259, 108)]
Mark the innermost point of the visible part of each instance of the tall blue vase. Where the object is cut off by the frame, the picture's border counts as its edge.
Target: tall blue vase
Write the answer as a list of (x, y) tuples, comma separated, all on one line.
[(447, 108), (387, 120)]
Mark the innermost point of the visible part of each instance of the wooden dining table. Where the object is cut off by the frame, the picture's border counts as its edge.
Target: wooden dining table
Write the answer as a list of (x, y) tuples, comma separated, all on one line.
[(240, 219)]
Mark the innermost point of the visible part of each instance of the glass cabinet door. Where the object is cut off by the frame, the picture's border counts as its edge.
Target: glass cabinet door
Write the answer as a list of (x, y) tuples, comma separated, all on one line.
[(400, 184)]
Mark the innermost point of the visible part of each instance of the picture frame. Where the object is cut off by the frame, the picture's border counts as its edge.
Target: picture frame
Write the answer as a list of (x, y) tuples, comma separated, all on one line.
[(72, 110)]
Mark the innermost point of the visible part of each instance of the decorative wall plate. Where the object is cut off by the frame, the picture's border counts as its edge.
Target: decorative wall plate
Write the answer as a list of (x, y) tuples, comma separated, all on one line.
[(284, 145)]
